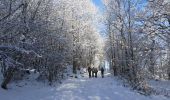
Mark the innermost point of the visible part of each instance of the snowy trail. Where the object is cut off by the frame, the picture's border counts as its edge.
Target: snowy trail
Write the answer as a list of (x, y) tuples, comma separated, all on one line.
[(77, 89)]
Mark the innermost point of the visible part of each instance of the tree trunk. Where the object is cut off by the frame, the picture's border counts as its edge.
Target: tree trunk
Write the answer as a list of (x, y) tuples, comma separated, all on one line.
[(8, 76)]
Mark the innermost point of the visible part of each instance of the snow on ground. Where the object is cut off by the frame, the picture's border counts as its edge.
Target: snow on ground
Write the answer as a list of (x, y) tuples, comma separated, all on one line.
[(164, 84), (161, 86), (81, 88)]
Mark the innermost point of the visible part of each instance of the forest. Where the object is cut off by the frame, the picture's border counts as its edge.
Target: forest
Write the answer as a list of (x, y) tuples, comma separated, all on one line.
[(52, 37)]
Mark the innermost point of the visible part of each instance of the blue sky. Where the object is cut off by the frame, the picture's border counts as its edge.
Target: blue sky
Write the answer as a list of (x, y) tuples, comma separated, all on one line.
[(98, 3)]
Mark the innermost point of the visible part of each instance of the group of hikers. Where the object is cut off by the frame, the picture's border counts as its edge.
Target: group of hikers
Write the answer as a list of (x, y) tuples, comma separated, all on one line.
[(93, 72)]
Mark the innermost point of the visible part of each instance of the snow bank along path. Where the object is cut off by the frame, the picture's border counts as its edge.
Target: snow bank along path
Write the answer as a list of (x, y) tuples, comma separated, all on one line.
[(76, 89)]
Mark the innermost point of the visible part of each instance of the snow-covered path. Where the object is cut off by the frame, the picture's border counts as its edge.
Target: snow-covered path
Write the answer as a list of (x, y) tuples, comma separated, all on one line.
[(77, 89)]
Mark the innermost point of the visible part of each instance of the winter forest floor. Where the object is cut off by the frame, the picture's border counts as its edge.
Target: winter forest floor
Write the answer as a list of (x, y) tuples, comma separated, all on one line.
[(81, 88)]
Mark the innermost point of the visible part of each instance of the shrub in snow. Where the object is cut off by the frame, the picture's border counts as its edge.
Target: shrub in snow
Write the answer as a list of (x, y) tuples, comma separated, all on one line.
[(12, 67)]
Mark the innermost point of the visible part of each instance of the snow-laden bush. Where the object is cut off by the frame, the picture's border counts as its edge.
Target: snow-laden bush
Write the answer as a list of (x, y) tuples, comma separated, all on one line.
[(12, 66)]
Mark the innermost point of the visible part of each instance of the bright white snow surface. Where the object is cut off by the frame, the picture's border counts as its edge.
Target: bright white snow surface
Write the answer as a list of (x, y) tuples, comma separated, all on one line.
[(81, 88)]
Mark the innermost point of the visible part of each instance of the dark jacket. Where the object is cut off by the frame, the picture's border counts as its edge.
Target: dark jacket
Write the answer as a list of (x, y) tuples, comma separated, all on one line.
[(102, 70), (89, 69)]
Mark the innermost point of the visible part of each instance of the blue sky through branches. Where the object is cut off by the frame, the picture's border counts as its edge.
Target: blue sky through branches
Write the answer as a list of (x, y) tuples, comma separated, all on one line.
[(98, 3)]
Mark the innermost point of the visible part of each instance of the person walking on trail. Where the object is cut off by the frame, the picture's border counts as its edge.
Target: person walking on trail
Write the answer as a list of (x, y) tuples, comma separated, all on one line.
[(89, 71), (95, 71), (102, 72)]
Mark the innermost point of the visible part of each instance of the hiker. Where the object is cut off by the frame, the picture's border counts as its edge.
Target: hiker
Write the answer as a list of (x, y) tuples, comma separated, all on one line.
[(89, 71), (95, 71), (102, 72)]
